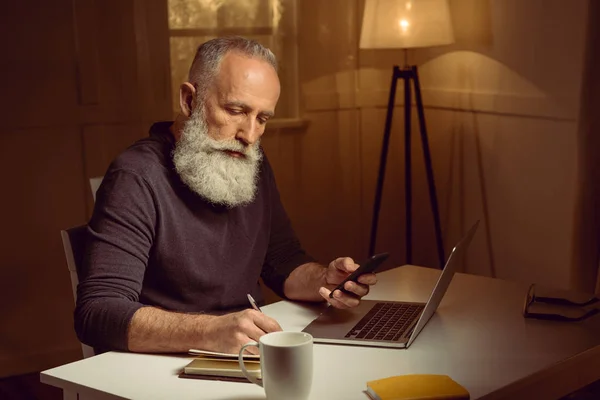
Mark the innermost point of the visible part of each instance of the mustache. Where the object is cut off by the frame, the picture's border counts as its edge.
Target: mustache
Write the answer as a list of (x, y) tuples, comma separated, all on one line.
[(230, 145), (251, 152)]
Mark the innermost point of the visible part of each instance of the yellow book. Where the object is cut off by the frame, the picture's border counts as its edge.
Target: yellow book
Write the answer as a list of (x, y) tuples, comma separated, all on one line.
[(416, 387)]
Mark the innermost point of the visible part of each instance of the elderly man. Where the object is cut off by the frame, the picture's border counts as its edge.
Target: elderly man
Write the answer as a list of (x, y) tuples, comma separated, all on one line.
[(188, 219)]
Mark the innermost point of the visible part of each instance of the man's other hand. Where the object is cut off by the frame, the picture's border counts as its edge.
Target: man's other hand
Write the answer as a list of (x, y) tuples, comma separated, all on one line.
[(336, 272)]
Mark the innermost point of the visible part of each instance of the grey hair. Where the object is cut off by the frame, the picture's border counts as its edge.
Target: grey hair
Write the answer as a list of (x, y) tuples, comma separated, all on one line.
[(209, 55)]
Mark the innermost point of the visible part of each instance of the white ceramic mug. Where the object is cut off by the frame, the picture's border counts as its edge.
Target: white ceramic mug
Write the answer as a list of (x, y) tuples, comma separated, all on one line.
[(286, 363)]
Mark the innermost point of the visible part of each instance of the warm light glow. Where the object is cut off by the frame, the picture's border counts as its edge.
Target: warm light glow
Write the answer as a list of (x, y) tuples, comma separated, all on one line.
[(396, 24), (404, 24)]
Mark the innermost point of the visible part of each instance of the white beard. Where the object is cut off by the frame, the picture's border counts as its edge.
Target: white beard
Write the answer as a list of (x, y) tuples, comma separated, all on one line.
[(207, 170)]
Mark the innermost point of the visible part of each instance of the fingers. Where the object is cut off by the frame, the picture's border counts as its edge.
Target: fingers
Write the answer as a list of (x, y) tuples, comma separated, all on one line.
[(339, 269), (340, 299), (252, 325), (229, 332), (358, 289), (345, 264), (264, 322), (361, 288), (367, 279)]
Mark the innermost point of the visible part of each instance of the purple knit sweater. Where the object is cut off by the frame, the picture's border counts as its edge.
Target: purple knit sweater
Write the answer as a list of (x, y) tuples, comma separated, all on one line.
[(152, 241)]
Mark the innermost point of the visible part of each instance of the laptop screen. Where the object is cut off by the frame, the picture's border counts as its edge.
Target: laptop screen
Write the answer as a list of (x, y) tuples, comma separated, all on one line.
[(444, 281)]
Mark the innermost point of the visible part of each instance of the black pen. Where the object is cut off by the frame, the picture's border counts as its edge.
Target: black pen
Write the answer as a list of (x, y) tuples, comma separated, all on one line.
[(253, 303)]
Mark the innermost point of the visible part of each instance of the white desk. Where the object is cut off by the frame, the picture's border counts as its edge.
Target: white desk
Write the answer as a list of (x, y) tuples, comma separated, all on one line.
[(478, 337)]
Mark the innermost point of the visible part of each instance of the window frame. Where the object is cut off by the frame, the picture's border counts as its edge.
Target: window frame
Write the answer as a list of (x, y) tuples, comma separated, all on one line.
[(284, 35)]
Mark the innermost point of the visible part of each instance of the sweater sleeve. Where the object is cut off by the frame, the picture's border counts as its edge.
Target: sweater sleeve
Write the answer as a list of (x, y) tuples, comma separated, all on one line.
[(284, 253), (120, 236)]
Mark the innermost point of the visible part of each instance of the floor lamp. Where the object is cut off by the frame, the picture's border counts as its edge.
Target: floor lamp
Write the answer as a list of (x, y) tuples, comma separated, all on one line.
[(397, 24)]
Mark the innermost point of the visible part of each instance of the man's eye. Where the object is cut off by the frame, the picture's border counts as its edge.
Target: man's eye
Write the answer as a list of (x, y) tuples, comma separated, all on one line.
[(234, 112), (262, 121)]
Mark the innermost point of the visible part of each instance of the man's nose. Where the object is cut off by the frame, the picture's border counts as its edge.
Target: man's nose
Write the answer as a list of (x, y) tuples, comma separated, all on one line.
[(250, 131)]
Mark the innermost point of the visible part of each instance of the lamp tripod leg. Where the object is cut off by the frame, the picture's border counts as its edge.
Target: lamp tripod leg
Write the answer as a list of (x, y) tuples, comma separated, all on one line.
[(383, 161), (429, 169), (407, 168)]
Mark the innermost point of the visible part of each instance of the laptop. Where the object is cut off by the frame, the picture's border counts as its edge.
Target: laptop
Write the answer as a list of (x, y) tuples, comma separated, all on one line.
[(378, 323)]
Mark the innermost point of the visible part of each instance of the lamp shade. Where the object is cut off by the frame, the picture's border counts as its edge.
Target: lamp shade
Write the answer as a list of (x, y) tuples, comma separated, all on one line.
[(399, 24)]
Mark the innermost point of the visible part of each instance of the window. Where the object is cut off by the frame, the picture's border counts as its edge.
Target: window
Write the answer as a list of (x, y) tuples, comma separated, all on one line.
[(270, 22)]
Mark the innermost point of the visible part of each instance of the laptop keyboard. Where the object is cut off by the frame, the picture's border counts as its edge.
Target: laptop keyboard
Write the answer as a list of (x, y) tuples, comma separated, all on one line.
[(386, 321)]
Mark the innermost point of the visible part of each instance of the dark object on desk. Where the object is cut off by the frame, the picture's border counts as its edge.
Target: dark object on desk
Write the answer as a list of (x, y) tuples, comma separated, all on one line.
[(367, 266), (559, 304)]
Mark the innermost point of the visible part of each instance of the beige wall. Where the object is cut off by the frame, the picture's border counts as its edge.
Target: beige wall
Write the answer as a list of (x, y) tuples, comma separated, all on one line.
[(502, 108), (502, 113), (79, 83)]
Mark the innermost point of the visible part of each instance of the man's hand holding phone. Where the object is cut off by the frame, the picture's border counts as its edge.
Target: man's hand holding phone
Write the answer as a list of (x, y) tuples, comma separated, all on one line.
[(347, 281)]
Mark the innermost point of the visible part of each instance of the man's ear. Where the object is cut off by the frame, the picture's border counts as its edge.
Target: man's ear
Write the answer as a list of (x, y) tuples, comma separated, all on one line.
[(187, 96)]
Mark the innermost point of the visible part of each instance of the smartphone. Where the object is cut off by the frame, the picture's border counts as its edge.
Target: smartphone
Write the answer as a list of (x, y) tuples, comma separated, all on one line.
[(369, 265)]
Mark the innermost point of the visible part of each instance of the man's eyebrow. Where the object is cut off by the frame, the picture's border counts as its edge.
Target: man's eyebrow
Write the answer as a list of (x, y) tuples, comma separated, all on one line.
[(246, 107)]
